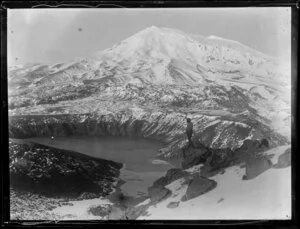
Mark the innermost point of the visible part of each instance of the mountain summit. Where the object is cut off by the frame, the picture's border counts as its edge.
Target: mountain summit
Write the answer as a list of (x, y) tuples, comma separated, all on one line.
[(168, 56)]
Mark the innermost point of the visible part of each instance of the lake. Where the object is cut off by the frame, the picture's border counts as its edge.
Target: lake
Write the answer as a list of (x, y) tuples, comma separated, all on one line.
[(141, 169)]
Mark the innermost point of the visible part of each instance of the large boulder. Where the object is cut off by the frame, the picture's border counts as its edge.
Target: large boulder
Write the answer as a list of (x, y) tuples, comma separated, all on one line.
[(157, 191), (264, 143), (250, 149), (250, 144), (194, 155), (284, 160), (173, 204), (253, 146), (198, 186), (219, 159), (171, 175), (174, 174), (256, 166), (157, 194)]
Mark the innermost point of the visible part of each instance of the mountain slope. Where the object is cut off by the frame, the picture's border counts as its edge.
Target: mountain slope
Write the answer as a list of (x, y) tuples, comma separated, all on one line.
[(162, 70)]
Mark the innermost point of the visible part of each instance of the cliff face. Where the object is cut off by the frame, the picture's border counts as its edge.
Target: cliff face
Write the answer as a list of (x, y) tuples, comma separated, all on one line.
[(166, 127), (50, 171)]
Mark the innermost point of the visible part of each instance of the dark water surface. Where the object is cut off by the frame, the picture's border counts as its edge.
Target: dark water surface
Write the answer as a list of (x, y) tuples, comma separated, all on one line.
[(139, 156)]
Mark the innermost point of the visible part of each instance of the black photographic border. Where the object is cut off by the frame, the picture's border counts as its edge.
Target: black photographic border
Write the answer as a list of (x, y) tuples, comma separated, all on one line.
[(4, 191)]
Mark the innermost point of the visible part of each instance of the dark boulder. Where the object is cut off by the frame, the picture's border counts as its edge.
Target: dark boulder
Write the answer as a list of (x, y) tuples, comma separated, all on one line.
[(264, 143), (256, 166), (284, 160), (157, 194), (250, 149), (194, 156), (219, 159), (171, 175), (174, 174), (157, 191), (249, 145), (198, 186), (173, 205), (160, 182)]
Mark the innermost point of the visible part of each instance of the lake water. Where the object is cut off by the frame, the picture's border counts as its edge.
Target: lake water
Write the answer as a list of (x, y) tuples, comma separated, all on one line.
[(141, 169)]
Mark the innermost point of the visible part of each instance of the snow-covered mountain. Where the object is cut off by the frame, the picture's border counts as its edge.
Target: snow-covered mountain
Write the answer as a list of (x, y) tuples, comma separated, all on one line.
[(162, 55), (164, 70)]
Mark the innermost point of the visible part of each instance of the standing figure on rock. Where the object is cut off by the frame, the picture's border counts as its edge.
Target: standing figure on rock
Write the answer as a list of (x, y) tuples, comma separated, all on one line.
[(189, 129), (52, 140)]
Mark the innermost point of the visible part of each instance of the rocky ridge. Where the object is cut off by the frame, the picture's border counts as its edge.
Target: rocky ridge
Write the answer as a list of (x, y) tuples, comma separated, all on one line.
[(160, 126)]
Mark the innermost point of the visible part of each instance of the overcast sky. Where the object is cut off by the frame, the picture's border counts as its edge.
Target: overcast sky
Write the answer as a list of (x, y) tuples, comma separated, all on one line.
[(57, 35)]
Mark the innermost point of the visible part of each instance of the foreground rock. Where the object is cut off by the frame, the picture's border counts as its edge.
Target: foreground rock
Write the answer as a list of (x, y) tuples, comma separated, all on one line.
[(51, 171), (193, 155), (284, 160), (173, 204), (157, 191), (198, 186), (257, 166), (218, 158)]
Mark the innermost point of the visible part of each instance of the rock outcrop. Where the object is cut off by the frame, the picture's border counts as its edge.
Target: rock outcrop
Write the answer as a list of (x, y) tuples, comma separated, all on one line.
[(198, 186), (52, 171), (284, 160), (256, 166), (250, 148), (171, 175), (218, 158), (194, 154), (173, 204), (158, 191)]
